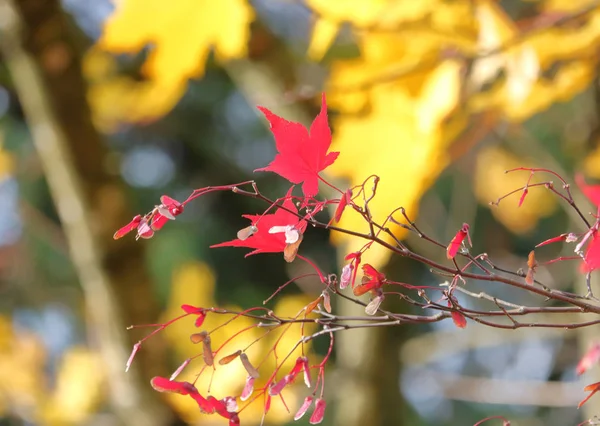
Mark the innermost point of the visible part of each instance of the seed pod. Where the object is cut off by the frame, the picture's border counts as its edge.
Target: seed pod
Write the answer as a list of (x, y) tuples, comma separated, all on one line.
[(290, 250), (248, 231), (207, 354), (198, 337), (227, 359), (252, 372)]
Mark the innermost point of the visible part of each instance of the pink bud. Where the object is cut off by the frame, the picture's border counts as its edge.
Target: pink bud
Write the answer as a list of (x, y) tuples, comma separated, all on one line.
[(234, 420), (319, 413), (304, 407), (248, 388), (136, 347), (346, 275)]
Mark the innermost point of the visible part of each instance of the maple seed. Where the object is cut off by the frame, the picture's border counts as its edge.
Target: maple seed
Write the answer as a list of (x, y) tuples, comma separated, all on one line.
[(248, 388), (198, 337), (374, 304), (227, 359), (457, 241), (346, 275), (250, 369), (319, 412), (128, 228), (326, 301), (304, 407), (532, 265), (247, 232), (291, 250), (207, 354), (291, 233)]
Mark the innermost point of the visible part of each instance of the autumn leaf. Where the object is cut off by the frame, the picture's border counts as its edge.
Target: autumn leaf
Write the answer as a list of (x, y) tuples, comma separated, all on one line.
[(182, 38), (264, 240), (301, 155), (448, 18)]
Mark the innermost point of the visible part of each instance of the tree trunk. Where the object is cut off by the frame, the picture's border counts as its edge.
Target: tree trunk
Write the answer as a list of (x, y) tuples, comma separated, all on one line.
[(44, 61)]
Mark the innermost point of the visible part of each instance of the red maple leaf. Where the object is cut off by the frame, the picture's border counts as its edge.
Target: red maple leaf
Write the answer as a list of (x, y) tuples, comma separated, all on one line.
[(263, 241), (301, 156)]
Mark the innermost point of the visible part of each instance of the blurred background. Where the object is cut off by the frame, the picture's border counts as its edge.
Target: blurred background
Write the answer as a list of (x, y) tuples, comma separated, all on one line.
[(104, 107)]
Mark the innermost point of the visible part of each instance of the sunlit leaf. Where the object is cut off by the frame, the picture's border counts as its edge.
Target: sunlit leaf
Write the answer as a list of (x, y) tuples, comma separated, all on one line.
[(181, 35)]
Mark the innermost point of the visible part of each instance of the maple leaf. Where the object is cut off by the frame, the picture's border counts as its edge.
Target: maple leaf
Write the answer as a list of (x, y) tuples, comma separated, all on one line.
[(301, 155), (263, 241)]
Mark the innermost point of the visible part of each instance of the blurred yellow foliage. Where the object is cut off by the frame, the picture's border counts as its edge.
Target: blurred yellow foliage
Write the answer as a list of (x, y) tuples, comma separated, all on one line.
[(22, 377), (181, 36), (524, 91), (78, 390), (24, 387), (397, 130), (194, 284), (427, 18), (492, 162)]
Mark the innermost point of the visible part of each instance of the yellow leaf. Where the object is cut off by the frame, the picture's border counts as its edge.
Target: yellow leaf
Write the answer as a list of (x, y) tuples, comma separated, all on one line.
[(491, 183), (78, 389), (439, 97), (390, 145), (451, 22), (181, 35), (323, 36)]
